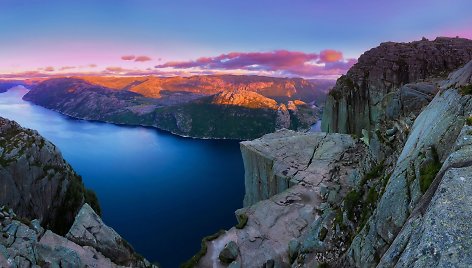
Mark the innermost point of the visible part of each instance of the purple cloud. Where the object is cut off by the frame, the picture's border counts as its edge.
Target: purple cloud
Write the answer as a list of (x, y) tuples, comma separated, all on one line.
[(279, 62)]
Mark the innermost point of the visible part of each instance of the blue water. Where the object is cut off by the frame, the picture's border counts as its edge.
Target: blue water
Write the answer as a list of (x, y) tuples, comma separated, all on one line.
[(161, 192)]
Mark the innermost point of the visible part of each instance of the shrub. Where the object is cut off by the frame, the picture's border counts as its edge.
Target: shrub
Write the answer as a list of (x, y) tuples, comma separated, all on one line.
[(242, 221), (322, 234), (351, 200), (466, 90), (468, 120), (428, 172), (203, 250)]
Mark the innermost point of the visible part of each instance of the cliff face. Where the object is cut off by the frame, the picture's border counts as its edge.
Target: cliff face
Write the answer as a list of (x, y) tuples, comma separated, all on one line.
[(399, 198), (36, 181), (290, 178), (355, 103), (425, 164), (233, 114)]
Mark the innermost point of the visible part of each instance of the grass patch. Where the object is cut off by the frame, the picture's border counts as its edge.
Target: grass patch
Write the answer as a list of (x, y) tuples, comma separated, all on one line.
[(468, 120), (375, 172), (322, 234), (428, 172), (203, 250), (466, 90), (242, 221), (352, 199)]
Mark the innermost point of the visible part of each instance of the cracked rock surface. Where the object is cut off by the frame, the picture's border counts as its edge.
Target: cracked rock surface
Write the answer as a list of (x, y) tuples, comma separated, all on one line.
[(27, 244), (285, 172)]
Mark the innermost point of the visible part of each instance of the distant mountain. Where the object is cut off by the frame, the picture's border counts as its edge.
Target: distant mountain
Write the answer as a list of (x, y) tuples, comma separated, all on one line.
[(234, 113), (279, 89), (7, 84)]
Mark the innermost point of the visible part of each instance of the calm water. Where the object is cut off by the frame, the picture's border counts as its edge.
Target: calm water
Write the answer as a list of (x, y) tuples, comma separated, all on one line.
[(161, 192)]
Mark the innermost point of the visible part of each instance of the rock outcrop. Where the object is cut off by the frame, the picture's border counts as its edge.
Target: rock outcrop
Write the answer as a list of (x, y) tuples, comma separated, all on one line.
[(36, 181), (25, 243), (399, 198), (290, 178), (356, 101)]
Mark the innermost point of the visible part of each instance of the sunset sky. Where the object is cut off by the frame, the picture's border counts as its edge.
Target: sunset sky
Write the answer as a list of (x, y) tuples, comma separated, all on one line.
[(307, 38)]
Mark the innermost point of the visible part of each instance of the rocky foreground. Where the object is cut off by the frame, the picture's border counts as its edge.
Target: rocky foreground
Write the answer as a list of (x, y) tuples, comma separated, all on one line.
[(45, 220), (394, 193)]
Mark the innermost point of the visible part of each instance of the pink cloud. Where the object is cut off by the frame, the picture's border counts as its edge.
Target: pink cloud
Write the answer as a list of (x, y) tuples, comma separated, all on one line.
[(116, 69), (128, 57), (142, 58), (330, 55), (49, 69), (67, 68), (279, 63), (92, 65)]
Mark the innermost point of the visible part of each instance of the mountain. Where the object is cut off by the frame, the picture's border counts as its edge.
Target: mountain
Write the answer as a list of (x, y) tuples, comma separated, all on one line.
[(355, 103), (45, 216), (6, 85), (234, 114), (279, 89), (397, 195)]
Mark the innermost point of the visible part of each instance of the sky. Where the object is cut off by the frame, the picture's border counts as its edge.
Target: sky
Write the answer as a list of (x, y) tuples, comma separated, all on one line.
[(293, 38)]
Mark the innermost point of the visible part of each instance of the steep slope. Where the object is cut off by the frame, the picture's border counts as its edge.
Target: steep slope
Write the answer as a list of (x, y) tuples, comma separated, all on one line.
[(403, 200), (237, 114), (234, 114), (290, 178), (35, 180), (37, 183), (356, 101)]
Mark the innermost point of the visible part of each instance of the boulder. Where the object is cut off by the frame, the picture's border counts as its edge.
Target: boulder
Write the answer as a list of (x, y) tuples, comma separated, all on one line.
[(229, 253), (88, 229)]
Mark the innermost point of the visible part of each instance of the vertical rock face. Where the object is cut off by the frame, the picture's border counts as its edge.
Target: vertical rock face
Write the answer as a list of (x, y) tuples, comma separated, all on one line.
[(355, 103), (402, 201), (290, 178), (440, 225), (37, 183), (434, 130), (35, 180)]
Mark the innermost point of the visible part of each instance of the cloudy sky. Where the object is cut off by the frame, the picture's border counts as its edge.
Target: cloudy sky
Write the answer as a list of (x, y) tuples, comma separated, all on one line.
[(307, 38)]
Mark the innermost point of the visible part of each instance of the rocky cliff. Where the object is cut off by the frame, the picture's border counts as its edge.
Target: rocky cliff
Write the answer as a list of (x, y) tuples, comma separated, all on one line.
[(36, 183), (89, 243), (290, 179), (232, 114), (397, 197), (356, 101)]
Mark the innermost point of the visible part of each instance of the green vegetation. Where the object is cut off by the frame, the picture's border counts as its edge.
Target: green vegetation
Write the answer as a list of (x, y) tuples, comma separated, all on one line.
[(428, 172), (322, 234), (203, 250), (468, 120), (466, 90), (375, 172), (75, 195), (92, 199), (242, 221), (351, 201)]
